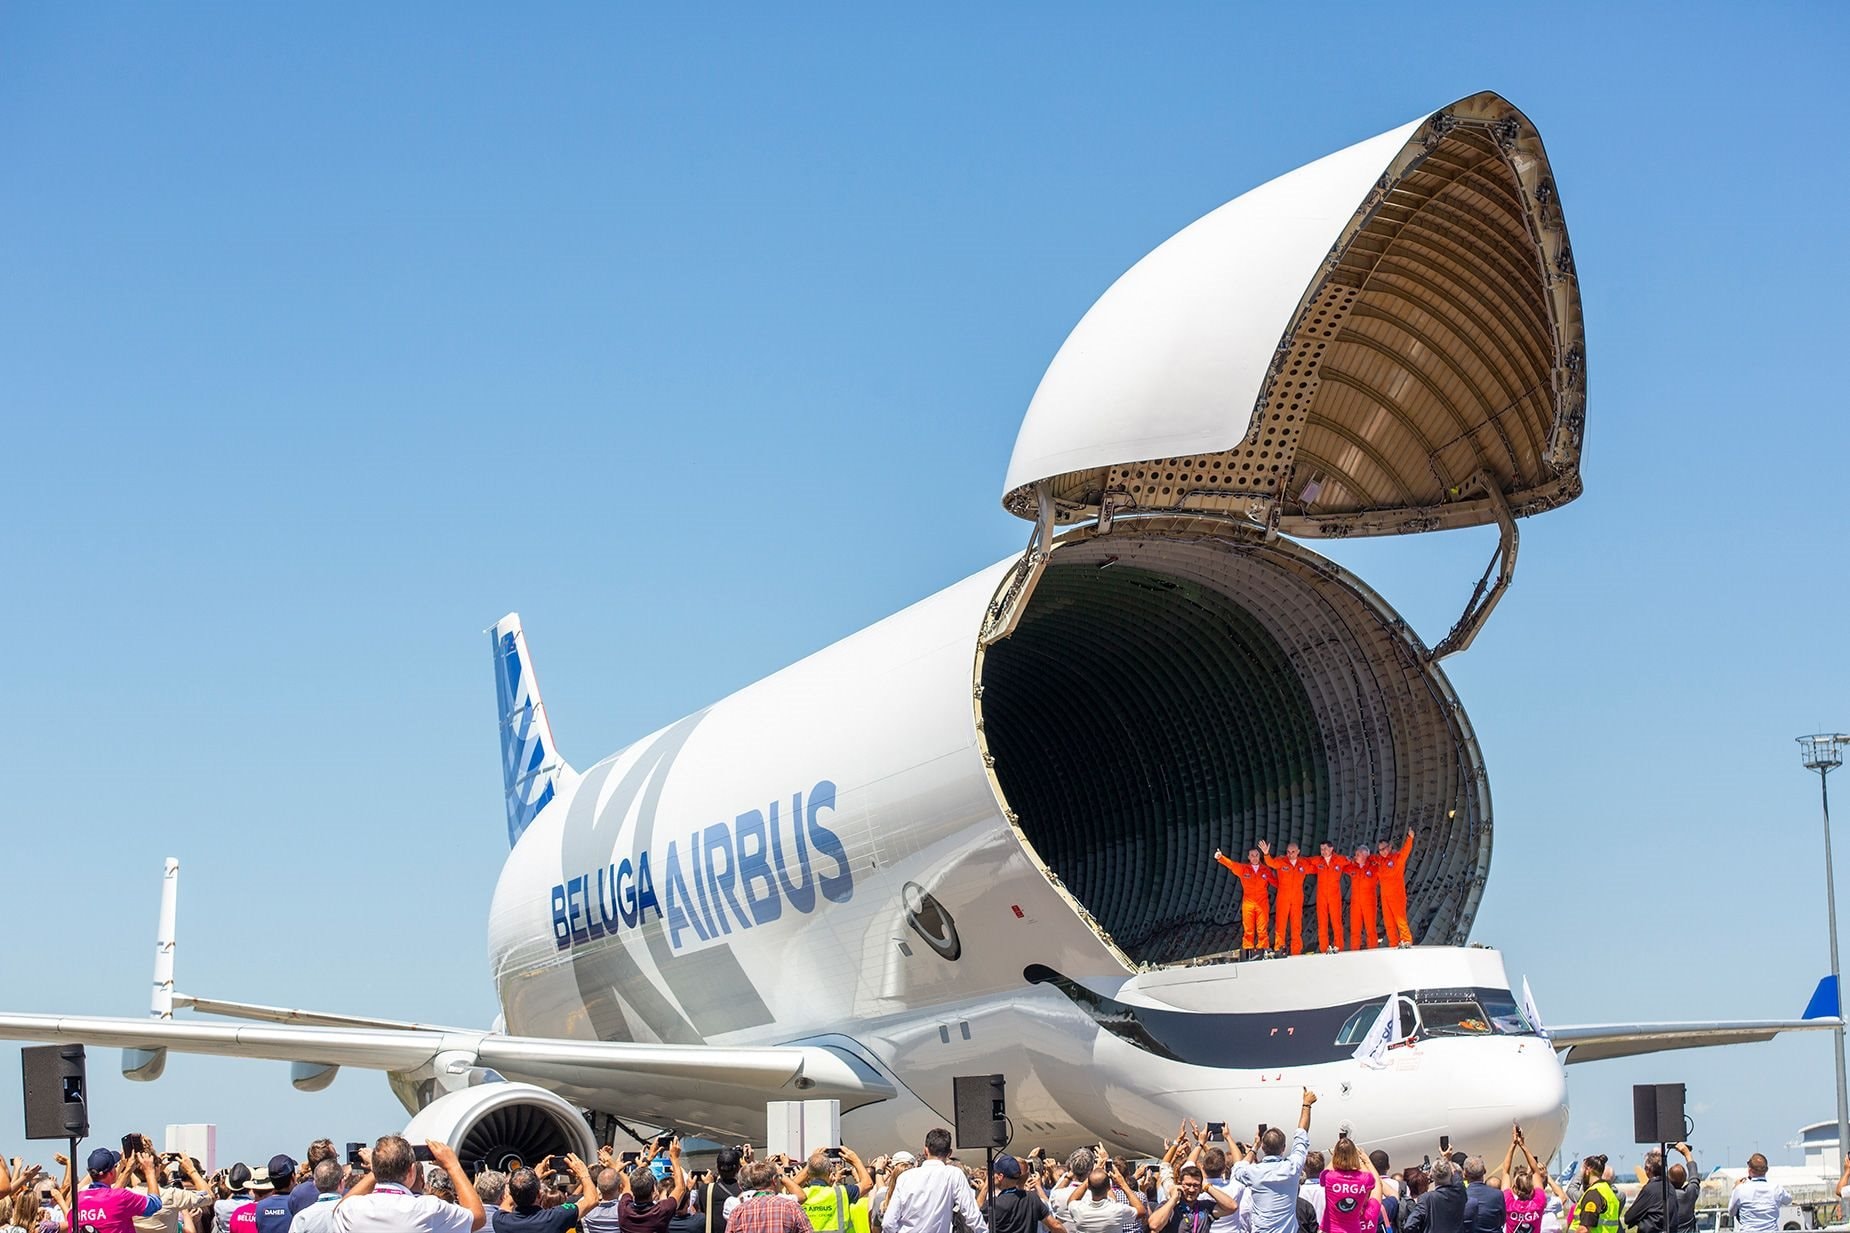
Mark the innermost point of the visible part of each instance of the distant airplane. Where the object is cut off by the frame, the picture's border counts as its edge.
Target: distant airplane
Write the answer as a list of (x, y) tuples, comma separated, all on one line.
[(975, 837)]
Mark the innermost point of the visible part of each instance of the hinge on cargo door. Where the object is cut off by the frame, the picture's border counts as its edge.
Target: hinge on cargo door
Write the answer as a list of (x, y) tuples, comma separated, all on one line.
[(1485, 595), (1005, 611)]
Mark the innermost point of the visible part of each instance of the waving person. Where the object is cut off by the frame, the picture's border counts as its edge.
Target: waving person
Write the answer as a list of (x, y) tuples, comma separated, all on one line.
[(1524, 1199), (1255, 907)]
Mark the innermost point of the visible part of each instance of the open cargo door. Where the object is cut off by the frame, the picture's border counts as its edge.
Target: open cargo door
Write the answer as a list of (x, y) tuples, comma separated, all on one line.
[(1387, 340)]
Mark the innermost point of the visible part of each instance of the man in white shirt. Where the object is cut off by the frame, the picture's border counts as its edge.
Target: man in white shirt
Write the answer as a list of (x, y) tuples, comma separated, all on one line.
[(318, 1217), (387, 1199), (1754, 1205), (1310, 1189), (925, 1197), (1078, 1165), (1096, 1207)]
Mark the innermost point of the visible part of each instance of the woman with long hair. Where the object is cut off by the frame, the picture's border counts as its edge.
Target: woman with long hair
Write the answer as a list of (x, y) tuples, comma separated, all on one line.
[(23, 1211), (1525, 1194), (1351, 1190)]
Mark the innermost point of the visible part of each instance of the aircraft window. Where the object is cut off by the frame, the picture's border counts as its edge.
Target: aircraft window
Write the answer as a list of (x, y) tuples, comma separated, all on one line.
[(1454, 1019), (1356, 1026), (1472, 1012), (1506, 1017)]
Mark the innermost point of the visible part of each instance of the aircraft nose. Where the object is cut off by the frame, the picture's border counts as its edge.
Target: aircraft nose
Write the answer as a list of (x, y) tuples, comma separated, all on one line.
[(1526, 1086)]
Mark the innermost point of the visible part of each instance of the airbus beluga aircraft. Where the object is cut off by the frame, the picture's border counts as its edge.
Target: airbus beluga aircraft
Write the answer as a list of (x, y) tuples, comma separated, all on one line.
[(975, 836)]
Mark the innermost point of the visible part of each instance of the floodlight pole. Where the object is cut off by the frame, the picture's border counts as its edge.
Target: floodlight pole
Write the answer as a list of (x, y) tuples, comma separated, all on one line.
[(1823, 753)]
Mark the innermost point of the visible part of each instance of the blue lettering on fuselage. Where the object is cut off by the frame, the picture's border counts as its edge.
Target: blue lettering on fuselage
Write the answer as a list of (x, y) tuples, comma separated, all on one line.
[(724, 877)]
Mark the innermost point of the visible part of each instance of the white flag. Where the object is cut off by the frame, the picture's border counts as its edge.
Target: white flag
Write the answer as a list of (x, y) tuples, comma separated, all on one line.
[(1372, 1052), (1528, 1009)]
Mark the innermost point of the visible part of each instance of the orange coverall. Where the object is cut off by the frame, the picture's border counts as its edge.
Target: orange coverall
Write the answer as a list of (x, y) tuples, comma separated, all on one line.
[(1253, 907), (1288, 912), (1392, 870), (1362, 883), (1329, 900)]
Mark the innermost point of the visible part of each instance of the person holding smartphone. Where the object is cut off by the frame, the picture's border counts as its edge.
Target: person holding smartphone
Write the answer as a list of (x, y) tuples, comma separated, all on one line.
[(389, 1199), (527, 1212), (104, 1207), (827, 1197), (1193, 1205), (1097, 1206), (714, 1197), (1272, 1171), (176, 1199), (648, 1205)]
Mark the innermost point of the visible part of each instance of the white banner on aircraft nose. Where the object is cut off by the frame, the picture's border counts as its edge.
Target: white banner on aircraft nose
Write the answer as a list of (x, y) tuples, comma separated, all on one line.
[(1372, 1052), (1528, 1009)]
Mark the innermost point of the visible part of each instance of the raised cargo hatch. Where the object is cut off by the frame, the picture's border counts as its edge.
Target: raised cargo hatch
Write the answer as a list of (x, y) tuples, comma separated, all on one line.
[(1386, 340)]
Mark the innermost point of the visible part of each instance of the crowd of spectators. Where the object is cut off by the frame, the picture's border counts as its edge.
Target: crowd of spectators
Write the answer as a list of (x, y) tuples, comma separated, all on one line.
[(1202, 1182)]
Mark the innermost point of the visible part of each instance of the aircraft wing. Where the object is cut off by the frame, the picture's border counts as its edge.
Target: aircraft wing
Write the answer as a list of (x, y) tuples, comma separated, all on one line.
[(1597, 1042), (750, 1075)]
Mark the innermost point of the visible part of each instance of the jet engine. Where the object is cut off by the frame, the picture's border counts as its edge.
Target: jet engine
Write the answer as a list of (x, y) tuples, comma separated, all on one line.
[(494, 1121)]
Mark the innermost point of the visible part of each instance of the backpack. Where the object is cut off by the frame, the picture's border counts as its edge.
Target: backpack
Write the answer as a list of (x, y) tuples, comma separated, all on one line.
[(1307, 1216), (715, 1212)]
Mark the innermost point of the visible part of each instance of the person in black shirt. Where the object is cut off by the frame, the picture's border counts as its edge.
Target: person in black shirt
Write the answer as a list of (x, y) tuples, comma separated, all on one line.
[(709, 1197), (1442, 1208), (1009, 1208), (1646, 1212), (527, 1216)]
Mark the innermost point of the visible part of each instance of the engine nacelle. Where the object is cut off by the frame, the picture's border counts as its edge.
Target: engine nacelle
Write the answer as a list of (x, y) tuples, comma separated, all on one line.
[(490, 1122)]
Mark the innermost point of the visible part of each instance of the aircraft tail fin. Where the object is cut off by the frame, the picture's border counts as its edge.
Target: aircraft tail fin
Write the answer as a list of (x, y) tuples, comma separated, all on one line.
[(531, 767)]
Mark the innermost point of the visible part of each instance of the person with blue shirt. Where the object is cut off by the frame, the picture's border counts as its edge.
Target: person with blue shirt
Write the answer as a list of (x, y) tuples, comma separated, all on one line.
[(1270, 1174), (1485, 1208), (274, 1211)]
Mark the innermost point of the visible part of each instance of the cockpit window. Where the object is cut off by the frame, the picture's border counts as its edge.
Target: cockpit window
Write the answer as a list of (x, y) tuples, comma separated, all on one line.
[(1472, 1012), (1454, 1019), (1506, 1016)]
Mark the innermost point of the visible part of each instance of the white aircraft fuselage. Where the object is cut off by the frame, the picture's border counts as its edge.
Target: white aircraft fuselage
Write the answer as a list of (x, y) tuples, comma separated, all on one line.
[(824, 858)]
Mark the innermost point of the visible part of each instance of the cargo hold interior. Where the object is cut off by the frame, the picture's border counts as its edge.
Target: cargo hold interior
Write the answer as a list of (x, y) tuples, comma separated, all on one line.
[(1173, 691)]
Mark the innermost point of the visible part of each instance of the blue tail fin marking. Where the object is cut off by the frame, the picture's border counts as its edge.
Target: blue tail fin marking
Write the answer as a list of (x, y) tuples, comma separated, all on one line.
[(530, 762)]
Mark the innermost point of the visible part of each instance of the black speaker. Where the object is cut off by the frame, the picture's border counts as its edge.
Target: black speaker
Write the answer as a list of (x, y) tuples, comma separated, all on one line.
[(54, 1091), (1657, 1113), (981, 1115)]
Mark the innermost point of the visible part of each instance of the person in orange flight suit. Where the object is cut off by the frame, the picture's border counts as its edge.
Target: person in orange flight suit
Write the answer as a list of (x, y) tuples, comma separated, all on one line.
[(1329, 869), (1391, 866), (1288, 911), (1362, 886), (1254, 910)]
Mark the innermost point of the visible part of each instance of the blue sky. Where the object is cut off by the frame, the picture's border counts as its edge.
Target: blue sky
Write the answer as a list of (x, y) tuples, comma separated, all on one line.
[(700, 336)]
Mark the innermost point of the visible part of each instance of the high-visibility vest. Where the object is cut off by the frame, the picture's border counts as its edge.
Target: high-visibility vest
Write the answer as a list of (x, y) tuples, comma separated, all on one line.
[(1609, 1217), (858, 1219), (826, 1207)]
